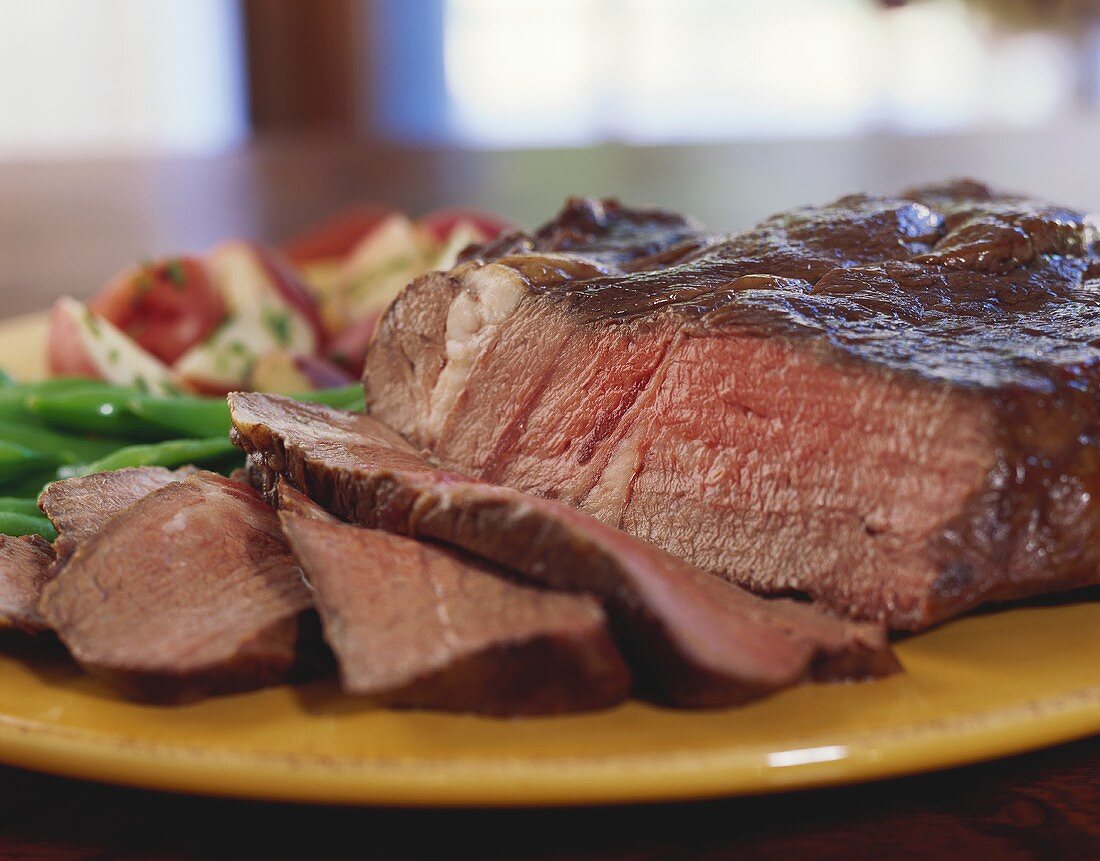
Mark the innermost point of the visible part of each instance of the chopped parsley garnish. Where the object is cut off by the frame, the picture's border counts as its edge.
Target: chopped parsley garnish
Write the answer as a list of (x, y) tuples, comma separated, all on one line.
[(143, 284), (278, 324), (233, 357), (222, 326), (176, 272), (92, 323), (141, 384), (112, 356)]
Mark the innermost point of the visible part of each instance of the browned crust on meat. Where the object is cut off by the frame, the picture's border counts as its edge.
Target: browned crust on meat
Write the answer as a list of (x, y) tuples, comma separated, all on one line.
[(25, 564), (418, 625), (974, 307), (189, 592)]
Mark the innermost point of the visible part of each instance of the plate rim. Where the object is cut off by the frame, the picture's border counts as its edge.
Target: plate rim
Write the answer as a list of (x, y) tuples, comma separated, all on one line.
[(548, 782)]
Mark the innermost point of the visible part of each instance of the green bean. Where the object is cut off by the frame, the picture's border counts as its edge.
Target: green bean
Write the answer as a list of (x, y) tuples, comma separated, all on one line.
[(339, 397), (23, 524), (355, 403), (104, 411), (17, 461), (16, 505), (184, 416), (12, 410), (68, 448), (12, 397), (171, 453), (208, 417), (55, 385), (30, 484)]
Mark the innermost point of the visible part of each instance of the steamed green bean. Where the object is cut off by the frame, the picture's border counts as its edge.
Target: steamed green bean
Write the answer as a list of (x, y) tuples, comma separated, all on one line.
[(171, 453), (64, 427), (67, 448), (23, 524), (207, 417), (17, 505), (32, 404), (29, 484), (104, 411), (55, 385), (182, 416), (17, 461)]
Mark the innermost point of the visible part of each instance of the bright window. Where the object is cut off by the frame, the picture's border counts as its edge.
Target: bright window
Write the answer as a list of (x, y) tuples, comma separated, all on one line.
[(120, 75), (654, 71)]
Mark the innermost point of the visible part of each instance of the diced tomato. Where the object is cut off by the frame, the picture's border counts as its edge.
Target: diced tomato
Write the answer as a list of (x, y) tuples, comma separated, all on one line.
[(167, 306), (442, 222), (337, 236)]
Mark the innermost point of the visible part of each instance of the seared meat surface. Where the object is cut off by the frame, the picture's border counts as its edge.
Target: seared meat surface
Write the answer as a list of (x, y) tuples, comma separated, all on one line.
[(887, 404), (418, 625), (25, 564), (692, 639), (80, 507), (189, 591)]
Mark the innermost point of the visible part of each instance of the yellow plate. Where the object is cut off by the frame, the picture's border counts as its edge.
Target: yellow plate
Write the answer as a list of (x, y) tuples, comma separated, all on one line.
[(981, 687)]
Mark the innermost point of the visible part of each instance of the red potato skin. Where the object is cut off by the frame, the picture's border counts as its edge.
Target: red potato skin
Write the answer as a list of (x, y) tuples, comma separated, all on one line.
[(65, 353), (167, 306), (334, 238), (289, 284), (441, 222), (205, 387)]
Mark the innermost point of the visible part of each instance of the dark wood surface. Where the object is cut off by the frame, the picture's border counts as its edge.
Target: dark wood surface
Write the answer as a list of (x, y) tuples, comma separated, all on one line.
[(66, 226), (1044, 805), (303, 68)]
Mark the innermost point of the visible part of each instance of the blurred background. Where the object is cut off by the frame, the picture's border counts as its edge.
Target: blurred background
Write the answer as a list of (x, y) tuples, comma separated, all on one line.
[(130, 128)]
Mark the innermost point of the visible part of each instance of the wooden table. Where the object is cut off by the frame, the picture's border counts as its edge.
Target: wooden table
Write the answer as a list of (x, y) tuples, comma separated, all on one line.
[(64, 227), (1040, 806)]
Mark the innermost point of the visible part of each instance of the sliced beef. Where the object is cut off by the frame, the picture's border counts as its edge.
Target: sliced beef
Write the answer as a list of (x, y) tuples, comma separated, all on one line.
[(80, 507), (693, 639), (887, 404), (418, 625), (24, 569), (190, 591)]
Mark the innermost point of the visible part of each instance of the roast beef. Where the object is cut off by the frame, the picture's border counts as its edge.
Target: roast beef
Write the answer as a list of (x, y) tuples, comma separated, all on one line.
[(79, 507), (24, 569), (887, 404), (413, 624), (691, 638), (189, 591)]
